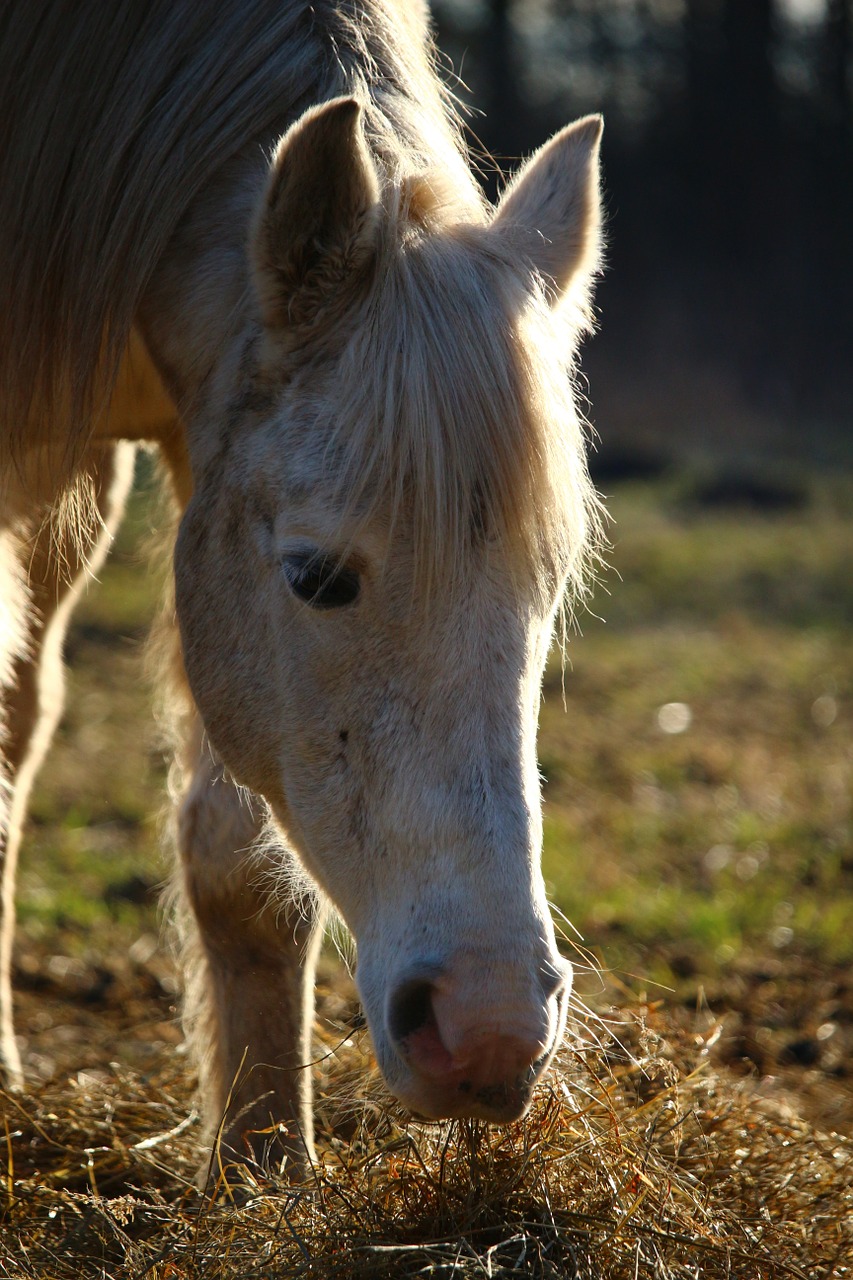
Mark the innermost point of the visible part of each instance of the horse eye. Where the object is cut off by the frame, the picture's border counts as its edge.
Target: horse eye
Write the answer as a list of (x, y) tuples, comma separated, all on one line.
[(321, 582)]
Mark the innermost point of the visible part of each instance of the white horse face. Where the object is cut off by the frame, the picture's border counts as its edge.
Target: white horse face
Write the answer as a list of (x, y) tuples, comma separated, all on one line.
[(392, 734), (397, 750)]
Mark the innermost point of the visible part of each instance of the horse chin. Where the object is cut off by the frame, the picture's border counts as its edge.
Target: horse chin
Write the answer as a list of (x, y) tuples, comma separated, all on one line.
[(499, 1105)]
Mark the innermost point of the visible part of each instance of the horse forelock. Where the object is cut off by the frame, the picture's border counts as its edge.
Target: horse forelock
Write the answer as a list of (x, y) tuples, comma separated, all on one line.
[(456, 403)]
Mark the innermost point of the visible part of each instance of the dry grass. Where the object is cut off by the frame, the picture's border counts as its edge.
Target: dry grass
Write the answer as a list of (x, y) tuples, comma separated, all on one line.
[(639, 1159)]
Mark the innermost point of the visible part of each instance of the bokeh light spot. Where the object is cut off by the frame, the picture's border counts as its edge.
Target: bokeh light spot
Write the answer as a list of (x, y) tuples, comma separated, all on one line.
[(674, 717)]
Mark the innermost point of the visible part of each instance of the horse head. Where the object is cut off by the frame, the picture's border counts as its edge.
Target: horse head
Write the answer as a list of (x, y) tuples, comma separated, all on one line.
[(391, 503)]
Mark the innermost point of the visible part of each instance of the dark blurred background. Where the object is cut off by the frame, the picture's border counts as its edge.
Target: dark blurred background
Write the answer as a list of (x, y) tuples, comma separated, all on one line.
[(726, 333)]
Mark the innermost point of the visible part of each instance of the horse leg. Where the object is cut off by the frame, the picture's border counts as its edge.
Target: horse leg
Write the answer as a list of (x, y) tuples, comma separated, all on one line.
[(249, 952), (249, 964), (42, 573), (13, 648)]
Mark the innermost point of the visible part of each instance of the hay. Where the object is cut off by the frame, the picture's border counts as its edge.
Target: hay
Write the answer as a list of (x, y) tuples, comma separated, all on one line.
[(639, 1159)]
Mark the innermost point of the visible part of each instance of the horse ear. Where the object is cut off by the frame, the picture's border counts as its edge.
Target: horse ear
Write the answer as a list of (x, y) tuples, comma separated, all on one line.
[(316, 229), (554, 198)]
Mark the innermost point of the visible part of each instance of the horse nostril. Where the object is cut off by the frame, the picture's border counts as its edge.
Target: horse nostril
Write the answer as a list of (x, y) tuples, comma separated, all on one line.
[(554, 978), (410, 1009)]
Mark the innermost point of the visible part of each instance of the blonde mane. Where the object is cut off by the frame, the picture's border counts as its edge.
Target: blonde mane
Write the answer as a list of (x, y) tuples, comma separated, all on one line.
[(460, 403), (115, 117)]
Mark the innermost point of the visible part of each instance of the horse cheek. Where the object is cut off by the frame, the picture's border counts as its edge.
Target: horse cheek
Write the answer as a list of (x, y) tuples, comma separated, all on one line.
[(228, 652)]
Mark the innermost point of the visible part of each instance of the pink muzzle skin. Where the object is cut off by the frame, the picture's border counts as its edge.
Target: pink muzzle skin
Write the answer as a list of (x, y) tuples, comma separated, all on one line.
[(463, 1062)]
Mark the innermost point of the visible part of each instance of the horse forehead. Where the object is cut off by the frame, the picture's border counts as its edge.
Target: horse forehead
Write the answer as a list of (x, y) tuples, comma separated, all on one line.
[(297, 473), (287, 454)]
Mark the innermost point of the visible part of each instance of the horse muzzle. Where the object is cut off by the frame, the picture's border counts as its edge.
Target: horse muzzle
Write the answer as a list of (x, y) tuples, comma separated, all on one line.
[(469, 1044)]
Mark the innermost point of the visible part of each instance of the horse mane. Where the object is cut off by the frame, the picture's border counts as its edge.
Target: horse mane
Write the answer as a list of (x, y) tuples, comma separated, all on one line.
[(456, 398), (114, 118)]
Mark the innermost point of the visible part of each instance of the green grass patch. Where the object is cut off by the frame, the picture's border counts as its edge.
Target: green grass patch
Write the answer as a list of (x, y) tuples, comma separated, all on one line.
[(669, 851), (734, 830)]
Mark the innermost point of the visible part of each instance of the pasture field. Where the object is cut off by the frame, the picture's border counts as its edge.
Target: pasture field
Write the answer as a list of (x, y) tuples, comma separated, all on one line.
[(697, 762)]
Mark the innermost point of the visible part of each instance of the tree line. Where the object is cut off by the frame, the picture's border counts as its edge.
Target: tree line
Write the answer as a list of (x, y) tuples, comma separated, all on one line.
[(729, 178)]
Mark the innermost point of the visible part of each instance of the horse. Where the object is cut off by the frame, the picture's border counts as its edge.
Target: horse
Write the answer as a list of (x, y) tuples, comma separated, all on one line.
[(248, 231)]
